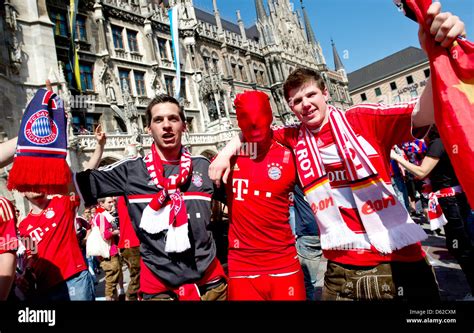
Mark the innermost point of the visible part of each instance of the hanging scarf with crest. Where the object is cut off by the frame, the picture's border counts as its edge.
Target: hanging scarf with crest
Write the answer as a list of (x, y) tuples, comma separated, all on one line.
[(167, 210)]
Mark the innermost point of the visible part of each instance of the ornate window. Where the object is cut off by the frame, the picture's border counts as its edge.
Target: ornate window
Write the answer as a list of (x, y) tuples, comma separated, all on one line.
[(117, 35), (206, 59), (132, 40), (169, 85), (243, 71), (86, 76), (124, 75), (235, 71), (211, 108), (215, 62), (81, 32), (140, 83), (182, 92), (60, 22)]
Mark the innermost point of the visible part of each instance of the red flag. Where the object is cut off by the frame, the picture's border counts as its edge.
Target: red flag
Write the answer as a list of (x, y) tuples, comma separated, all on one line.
[(452, 77)]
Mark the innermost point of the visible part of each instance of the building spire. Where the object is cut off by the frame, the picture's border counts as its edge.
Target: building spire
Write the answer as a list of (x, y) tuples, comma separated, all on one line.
[(307, 25), (337, 60), (261, 13), (217, 16)]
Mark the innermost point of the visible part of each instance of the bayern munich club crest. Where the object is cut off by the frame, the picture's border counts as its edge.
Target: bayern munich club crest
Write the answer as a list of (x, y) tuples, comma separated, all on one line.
[(197, 180), (40, 129), (49, 213), (274, 171)]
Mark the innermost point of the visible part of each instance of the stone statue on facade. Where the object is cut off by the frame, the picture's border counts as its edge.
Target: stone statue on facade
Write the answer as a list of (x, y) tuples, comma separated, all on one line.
[(158, 87)]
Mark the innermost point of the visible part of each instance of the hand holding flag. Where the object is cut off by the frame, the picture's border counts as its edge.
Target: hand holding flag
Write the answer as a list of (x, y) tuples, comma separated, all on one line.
[(451, 58)]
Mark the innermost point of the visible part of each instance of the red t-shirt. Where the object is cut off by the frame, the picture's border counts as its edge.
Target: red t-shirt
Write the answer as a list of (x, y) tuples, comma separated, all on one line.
[(260, 237), (128, 237), (56, 251), (380, 127), (8, 239)]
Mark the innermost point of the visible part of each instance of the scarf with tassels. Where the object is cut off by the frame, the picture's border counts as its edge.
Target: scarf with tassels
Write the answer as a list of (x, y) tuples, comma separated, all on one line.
[(387, 224), (435, 212), (167, 210), (40, 161)]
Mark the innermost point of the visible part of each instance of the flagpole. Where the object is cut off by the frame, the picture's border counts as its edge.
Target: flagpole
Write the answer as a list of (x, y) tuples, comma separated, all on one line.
[(173, 16)]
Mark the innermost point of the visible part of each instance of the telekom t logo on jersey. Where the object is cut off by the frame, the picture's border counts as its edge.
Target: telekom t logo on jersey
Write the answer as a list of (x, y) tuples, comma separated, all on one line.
[(240, 188)]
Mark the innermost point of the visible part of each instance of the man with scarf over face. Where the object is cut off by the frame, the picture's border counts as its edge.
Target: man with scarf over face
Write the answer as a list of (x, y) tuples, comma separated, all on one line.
[(372, 245), (263, 263), (168, 194)]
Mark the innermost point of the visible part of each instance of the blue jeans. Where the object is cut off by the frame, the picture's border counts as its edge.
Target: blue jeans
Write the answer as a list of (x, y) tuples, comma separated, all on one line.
[(401, 191), (309, 255), (90, 265), (81, 287)]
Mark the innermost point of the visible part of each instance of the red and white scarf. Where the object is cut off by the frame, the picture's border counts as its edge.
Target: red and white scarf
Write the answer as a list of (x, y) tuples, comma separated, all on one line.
[(435, 213), (387, 224), (167, 210)]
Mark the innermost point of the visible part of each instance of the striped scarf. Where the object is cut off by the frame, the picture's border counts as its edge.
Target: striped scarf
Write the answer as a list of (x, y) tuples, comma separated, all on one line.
[(167, 210), (40, 160), (435, 212), (387, 224)]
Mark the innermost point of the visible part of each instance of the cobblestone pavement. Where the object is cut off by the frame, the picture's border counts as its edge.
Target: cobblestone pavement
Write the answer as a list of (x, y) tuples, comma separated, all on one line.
[(451, 280)]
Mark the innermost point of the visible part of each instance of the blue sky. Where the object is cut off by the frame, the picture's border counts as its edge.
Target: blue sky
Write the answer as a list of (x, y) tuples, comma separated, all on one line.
[(364, 30)]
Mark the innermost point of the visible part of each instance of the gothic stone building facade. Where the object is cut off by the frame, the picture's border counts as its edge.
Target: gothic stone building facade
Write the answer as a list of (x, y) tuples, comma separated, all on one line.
[(126, 58)]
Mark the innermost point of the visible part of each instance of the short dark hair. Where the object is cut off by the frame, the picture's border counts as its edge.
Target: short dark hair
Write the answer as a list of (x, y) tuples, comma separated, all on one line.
[(160, 99), (301, 76)]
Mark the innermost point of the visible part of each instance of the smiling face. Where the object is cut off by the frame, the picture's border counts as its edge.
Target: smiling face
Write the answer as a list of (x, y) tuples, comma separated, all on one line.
[(166, 127), (308, 102)]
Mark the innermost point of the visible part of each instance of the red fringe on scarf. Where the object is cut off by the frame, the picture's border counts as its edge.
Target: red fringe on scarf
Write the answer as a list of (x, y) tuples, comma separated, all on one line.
[(39, 175)]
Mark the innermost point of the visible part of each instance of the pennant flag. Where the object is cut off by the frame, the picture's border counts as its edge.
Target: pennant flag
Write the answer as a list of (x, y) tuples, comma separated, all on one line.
[(173, 15), (73, 55), (40, 161), (452, 77)]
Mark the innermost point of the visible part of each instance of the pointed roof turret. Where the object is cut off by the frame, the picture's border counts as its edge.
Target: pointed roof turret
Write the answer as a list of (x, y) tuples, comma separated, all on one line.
[(217, 16), (261, 13), (307, 25), (337, 60)]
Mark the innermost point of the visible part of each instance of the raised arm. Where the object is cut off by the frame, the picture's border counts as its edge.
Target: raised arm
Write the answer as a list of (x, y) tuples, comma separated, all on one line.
[(101, 138), (445, 28)]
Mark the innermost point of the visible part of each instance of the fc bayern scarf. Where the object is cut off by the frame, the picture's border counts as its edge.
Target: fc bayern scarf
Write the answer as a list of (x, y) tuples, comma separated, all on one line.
[(387, 224), (435, 212), (167, 210), (40, 161)]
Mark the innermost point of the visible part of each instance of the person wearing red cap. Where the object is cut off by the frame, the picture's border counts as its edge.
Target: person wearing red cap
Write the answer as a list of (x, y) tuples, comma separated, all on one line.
[(262, 260)]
